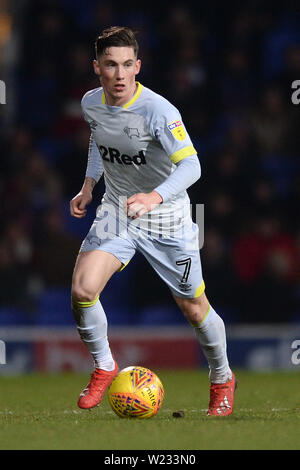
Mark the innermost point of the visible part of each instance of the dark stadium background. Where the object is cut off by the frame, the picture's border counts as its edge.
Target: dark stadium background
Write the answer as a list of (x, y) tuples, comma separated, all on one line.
[(229, 68)]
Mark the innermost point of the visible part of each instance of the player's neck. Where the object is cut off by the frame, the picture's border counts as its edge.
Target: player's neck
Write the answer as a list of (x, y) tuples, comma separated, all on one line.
[(116, 101)]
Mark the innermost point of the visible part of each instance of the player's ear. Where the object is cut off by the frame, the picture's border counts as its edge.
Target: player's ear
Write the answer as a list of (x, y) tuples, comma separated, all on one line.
[(96, 67), (138, 66)]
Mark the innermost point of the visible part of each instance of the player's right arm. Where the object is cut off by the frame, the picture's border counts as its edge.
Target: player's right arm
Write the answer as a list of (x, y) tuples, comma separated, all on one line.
[(82, 199), (94, 172), (94, 168)]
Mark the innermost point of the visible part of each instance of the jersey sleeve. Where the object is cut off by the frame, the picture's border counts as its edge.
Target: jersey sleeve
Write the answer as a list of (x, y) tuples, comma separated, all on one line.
[(186, 173), (94, 165), (168, 128)]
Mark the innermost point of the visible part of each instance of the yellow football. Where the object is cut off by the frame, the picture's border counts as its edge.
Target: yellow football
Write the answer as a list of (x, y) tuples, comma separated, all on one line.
[(136, 392)]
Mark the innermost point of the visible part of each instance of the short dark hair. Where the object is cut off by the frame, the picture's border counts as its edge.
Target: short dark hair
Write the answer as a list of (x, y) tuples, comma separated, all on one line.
[(116, 36)]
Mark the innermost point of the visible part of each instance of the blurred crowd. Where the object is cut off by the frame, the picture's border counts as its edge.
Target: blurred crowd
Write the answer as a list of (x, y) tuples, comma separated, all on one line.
[(229, 71)]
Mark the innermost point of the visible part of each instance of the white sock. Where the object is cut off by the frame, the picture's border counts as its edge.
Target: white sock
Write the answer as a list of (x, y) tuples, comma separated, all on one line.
[(212, 338), (92, 327)]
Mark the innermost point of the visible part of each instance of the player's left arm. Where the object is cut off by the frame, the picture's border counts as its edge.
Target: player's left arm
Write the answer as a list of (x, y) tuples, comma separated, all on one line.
[(187, 172), (168, 129)]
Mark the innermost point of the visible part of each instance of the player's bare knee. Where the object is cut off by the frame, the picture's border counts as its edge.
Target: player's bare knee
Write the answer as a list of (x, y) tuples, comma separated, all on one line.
[(194, 309), (193, 314), (83, 294)]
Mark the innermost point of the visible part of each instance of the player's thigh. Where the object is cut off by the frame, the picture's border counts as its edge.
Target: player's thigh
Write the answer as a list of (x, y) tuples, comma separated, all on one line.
[(102, 253), (177, 262), (92, 271)]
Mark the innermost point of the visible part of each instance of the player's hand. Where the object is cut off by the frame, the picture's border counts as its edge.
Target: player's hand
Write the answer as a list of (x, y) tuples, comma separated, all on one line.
[(79, 202), (141, 203)]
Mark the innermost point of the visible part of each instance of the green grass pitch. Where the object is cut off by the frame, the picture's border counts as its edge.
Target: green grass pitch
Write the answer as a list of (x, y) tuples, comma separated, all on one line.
[(39, 412)]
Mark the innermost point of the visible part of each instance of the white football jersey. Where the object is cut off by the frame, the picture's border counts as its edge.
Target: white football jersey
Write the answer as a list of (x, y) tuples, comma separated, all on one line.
[(136, 146)]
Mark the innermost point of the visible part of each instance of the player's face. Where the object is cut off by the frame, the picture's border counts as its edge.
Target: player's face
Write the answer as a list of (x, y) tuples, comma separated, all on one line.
[(117, 69)]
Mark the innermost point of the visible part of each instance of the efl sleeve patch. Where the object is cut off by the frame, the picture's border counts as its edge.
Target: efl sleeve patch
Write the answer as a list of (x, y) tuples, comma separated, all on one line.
[(177, 129)]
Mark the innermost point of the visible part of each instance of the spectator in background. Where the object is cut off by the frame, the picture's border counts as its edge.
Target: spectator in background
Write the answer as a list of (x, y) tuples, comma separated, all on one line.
[(217, 266), (271, 122), (290, 73), (41, 184), (15, 261), (265, 239), (69, 120), (16, 150), (237, 82), (54, 243), (71, 161), (188, 81), (12, 279), (265, 261), (290, 70)]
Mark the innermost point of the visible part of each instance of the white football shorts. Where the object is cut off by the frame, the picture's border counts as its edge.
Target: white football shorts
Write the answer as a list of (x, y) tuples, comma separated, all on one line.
[(175, 258)]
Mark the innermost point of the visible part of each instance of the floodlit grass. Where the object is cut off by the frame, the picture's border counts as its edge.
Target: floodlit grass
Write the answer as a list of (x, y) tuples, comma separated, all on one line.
[(39, 412)]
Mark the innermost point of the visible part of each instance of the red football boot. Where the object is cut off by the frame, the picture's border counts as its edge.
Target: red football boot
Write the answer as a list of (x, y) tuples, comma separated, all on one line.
[(221, 398), (93, 393)]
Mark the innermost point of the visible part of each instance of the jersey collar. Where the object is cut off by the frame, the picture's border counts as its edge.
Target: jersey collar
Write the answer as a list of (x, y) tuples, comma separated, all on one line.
[(133, 99)]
